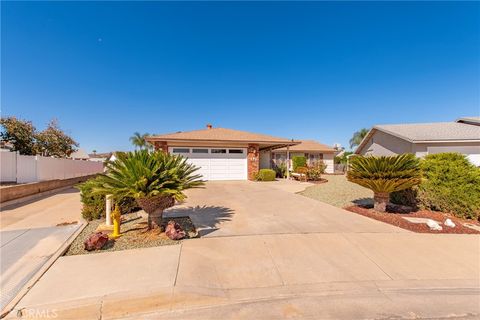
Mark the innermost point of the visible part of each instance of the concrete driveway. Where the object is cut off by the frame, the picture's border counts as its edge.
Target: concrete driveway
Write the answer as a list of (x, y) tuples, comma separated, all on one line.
[(268, 253), (233, 208)]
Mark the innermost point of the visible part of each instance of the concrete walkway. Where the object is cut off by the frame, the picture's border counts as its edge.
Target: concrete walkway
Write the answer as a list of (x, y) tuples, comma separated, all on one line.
[(364, 270), (31, 240)]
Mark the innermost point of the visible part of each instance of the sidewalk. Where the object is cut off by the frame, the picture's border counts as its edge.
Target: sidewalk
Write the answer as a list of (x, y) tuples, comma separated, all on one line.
[(371, 275), (31, 240)]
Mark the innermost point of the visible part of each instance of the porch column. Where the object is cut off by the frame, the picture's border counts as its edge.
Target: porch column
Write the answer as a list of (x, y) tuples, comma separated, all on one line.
[(288, 162), (253, 161)]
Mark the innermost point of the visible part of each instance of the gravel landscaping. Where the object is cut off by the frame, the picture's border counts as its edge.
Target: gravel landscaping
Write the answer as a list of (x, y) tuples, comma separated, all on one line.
[(134, 235), (338, 191)]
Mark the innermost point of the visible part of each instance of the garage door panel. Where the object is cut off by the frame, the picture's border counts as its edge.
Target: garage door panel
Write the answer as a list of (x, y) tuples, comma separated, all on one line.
[(219, 166)]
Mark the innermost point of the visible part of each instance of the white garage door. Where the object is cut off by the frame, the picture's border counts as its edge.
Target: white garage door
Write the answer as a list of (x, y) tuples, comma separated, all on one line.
[(216, 163)]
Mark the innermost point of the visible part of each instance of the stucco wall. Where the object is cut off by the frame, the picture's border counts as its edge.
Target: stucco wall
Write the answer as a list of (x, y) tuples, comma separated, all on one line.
[(382, 144), (471, 150)]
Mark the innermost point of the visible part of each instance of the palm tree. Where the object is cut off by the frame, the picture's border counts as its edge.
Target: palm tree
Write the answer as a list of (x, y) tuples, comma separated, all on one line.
[(139, 140), (384, 175), (154, 179), (358, 137)]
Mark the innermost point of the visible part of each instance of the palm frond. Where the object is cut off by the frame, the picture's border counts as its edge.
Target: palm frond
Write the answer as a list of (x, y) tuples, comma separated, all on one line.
[(144, 174), (385, 174)]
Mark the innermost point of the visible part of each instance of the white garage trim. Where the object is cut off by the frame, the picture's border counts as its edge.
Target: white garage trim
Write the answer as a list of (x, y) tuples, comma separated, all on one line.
[(218, 163)]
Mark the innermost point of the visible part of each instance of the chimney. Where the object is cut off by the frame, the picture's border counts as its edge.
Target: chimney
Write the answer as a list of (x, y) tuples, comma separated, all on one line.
[(209, 126)]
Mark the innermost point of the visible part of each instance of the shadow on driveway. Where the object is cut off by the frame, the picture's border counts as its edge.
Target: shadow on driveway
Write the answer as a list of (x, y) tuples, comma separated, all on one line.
[(205, 218)]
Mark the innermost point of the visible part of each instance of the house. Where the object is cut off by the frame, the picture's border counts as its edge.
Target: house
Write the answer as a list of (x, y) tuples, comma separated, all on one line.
[(80, 154), (312, 150), (462, 136), (220, 153)]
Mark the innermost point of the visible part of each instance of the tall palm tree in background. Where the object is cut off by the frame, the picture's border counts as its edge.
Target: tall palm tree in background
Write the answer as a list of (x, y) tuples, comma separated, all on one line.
[(358, 137), (139, 141)]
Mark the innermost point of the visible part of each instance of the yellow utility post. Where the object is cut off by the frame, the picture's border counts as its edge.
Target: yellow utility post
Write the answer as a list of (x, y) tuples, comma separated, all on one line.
[(116, 223)]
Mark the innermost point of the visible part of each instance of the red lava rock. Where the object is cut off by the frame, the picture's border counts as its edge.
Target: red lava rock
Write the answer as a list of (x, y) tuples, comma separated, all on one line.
[(174, 231), (95, 241), (397, 220)]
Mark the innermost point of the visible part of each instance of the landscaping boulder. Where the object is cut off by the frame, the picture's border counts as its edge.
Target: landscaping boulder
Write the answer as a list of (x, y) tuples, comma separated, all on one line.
[(96, 241), (174, 231), (449, 223), (434, 225)]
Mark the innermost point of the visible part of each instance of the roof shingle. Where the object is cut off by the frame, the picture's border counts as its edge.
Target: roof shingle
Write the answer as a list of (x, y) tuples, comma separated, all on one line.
[(219, 134)]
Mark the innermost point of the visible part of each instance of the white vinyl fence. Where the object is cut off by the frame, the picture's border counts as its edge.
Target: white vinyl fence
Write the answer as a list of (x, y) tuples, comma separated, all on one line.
[(23, 169)]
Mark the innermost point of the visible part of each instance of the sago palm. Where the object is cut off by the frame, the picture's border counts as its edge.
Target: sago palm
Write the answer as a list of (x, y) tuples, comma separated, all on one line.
[(384, 175), (154, 179)]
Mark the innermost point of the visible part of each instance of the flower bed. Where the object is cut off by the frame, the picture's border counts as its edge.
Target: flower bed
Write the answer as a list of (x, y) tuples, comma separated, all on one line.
[(397, 219)]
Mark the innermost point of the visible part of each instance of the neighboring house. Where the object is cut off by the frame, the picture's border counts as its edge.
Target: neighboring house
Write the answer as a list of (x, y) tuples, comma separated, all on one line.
[(222, 154), (462, 136), (312, 150), (80, 154)]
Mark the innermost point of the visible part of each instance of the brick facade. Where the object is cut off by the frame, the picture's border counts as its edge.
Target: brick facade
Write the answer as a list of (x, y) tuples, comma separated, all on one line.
[(159, 145), (253, 160)]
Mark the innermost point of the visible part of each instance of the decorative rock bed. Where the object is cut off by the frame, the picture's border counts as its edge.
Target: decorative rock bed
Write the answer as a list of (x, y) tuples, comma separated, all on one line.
[(134, 234)]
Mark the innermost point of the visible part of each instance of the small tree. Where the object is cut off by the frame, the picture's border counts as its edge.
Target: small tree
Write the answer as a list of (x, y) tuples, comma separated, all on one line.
[(154, 179), (384, 175), (20, 134), (54, 142)]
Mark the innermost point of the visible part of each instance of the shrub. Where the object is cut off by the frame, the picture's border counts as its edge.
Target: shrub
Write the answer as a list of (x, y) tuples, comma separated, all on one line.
[(265, 175), (281, 170), (299, 161), (384, 175), (315, 171), (94, 204), (155, 179), (451, 184)]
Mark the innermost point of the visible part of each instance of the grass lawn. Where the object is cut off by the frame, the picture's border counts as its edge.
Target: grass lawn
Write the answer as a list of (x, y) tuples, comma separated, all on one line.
[(338, 191)]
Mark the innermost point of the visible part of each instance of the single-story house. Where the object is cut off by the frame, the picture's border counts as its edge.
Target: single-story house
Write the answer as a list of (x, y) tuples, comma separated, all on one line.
[(462, 136), (224, 154), (80, 154), (312, 150)]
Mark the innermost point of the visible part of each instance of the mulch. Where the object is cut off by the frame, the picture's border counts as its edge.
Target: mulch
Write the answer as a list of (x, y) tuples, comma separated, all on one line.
[(396, 219)]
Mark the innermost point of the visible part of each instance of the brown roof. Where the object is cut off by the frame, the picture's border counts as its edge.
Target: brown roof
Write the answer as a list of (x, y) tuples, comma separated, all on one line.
[(220, 134), (309, 145)]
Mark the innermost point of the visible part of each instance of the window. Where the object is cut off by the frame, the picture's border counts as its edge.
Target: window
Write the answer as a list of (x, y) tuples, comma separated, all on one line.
[(235, 151), (199, 150), (219, 150), (181, 150)]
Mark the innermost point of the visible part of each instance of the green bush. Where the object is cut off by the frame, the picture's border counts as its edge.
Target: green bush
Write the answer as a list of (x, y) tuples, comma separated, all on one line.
[(315, 171), (265, 175), (281, 170), (450, 184), (94, 205), (299, 161)]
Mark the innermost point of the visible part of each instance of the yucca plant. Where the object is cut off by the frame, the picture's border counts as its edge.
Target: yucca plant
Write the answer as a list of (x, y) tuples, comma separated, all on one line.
[(154, 179), (384, 175)]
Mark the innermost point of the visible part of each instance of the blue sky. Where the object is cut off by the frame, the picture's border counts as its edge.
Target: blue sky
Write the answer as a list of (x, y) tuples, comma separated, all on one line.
[(315, 70)]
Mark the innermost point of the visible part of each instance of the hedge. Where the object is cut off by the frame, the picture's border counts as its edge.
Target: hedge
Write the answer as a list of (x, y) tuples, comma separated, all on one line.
[(265, 175), (450, 184)]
